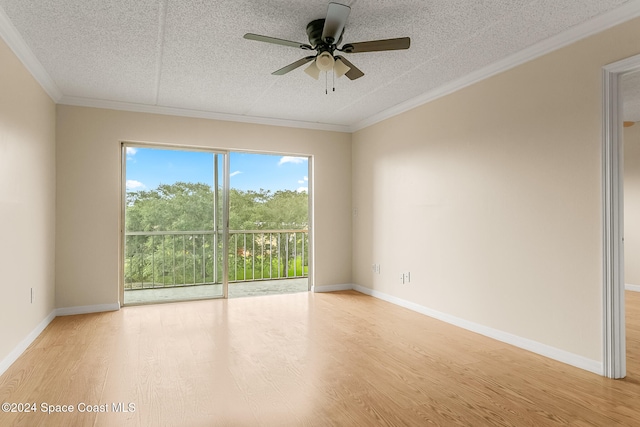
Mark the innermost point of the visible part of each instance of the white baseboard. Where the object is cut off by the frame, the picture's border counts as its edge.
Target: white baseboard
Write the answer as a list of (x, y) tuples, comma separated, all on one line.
[(524, 343), (26, 342), (634, 288), (333, 288), (85, 309)]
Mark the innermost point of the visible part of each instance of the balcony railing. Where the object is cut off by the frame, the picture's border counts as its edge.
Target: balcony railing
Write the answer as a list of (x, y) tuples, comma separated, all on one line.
[(188, 258)]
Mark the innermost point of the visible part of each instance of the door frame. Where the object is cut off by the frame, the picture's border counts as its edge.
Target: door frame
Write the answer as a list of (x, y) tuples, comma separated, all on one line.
[(613, 308), (123, 197)]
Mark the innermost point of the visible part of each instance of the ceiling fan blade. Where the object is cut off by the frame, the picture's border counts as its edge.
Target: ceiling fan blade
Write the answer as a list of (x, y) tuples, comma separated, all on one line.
[(377, 45), (354, 72), (335, 21), (293, 66), (266, 39)]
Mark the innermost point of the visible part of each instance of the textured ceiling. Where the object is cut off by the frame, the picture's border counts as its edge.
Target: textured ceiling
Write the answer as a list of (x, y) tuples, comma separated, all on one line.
[(189, 54)]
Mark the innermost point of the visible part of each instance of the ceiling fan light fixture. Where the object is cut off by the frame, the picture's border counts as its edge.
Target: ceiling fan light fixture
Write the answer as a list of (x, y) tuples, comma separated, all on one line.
[(325, 61), (340, 68), (313, 71)]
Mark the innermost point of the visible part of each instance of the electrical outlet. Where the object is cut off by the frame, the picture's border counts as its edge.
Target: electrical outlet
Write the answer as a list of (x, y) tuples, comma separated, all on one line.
[(407, 277)]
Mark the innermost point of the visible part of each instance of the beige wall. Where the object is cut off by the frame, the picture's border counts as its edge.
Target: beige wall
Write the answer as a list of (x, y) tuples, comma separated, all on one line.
[(88, 190), (632, 205), (27, 202), (491, 198)]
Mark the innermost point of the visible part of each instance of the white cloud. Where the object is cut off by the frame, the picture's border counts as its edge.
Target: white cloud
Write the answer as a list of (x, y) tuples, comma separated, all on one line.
[(302, 190), (303, 180), (235, 173), (130, 153), (290, 159), (132, 184)]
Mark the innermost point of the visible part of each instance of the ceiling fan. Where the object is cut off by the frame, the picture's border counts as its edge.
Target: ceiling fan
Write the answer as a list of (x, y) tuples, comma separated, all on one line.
[(325, 35)]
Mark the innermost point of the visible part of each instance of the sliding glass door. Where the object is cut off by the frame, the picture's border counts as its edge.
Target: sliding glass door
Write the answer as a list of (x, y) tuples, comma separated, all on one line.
[(201, 224)]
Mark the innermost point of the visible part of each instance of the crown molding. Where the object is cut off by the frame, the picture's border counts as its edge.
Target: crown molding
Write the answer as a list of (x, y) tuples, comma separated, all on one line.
[(600, 23), (16, 43), (184, 112)]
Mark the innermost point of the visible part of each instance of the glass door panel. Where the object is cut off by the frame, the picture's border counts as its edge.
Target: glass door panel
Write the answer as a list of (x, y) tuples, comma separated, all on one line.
[(268, 224), (175, 219)]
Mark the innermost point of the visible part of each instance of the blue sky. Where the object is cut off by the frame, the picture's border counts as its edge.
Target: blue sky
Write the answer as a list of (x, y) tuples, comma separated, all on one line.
[(149, 167)]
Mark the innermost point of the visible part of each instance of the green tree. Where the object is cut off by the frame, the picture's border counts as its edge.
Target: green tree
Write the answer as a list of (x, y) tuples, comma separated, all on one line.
[(264, 210), (183, 206), (288, 210), (189, 207)]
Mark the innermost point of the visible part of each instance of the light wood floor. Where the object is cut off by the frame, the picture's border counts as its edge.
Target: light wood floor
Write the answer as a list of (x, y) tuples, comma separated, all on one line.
[(342, 359)]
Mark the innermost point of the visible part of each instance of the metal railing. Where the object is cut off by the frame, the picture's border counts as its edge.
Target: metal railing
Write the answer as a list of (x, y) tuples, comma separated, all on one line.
[(165, 259)]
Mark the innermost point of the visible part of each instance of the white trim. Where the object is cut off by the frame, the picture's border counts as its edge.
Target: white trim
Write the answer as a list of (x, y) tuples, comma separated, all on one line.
[(311, 217), (333, 288), (25, 343), (29, 339), (184, 112), (524, 343), (85, 309), (613, 310), (121, 220), (16, 43), (632, 288), (600, 23)]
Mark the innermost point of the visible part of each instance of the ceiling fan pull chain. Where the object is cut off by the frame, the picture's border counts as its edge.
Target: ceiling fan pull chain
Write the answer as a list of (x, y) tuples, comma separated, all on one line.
[(333, 76), (326, 83)]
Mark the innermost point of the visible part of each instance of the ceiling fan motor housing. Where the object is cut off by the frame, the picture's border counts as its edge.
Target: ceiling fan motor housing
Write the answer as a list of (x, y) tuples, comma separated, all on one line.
[(314, 32)]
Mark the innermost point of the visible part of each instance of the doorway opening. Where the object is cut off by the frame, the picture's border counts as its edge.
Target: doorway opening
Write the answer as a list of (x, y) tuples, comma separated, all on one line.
[(614, 333)]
